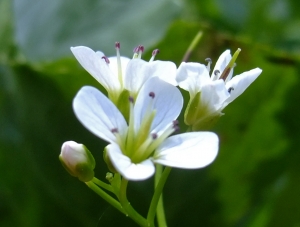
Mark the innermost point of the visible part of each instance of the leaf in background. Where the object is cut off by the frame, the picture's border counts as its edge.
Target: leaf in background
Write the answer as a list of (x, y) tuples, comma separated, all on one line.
[(51, 27)]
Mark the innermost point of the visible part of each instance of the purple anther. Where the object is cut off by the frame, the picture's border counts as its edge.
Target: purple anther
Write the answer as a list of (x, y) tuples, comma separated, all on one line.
[(141, 48), (230, 89), (114, 130), (216, 72), (208, 60), (175, 123), (131, 99), (154, 136), (152, 94), (155, 52), (106, 59)]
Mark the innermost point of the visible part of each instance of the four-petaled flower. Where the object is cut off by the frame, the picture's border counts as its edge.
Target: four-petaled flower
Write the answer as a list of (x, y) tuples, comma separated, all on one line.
[(209, 95), (119, 74), (135, 146)]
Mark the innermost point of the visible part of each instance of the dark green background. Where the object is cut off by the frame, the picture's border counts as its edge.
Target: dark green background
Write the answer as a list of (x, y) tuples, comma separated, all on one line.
[(255, 180)]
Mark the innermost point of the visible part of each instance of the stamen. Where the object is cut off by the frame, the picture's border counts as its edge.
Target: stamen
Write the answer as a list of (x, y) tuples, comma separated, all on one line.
[(152, 94), (215, 74), (131, 99), (106, 59), (154, 136), (154, 53), (168, 131), (209, 62), (176, 128), (114, 130), (175, 122), (138, 51), (130, 133), (230, 89), (117, 45)]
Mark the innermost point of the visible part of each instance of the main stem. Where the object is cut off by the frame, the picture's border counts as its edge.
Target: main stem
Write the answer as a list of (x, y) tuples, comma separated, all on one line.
[(129, 210), (156, 205)]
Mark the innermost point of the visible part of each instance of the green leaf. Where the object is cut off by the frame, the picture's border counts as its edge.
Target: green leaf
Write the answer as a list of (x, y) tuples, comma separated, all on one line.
[(50, 28)]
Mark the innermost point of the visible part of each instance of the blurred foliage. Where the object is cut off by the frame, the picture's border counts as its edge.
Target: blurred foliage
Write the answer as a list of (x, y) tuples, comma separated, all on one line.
[(255, 180)]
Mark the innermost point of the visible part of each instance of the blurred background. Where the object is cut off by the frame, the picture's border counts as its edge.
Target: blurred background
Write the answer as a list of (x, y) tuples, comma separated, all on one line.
[(254, 181)]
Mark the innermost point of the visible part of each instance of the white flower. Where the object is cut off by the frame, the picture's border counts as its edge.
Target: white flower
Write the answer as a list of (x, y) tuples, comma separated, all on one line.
[(136, 146), (118, 73), (77, 160), (210, 94)]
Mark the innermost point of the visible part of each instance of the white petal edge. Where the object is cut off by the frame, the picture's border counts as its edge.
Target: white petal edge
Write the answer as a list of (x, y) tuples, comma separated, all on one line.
[(129, 170), (92, 62), (222, 62), (167, 102), (188, 151), (165, 70), (240, 83), (98, 114)]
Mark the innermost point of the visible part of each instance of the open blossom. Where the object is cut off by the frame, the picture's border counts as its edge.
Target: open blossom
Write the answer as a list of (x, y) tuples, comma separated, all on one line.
[(210, 94), (135, 146), (117, 74)]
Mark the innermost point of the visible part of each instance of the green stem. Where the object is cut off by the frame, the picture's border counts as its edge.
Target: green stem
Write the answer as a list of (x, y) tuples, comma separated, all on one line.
[(102, 184), (105, 196), (130, 211), (192, 46), (157, 202)]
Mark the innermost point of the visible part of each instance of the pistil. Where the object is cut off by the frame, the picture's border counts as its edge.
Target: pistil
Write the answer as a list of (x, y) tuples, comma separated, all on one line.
[(230, 65)]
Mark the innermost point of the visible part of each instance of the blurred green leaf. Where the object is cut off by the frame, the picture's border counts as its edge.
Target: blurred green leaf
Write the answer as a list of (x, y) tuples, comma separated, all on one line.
[(51, 29)]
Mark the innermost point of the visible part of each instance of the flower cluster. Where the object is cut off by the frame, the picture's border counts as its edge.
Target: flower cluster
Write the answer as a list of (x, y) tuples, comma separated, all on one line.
[(210, 94), (138, 116)]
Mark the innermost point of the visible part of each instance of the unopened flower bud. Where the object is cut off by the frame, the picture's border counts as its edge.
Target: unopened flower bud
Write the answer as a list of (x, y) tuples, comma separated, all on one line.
[(77, 160)]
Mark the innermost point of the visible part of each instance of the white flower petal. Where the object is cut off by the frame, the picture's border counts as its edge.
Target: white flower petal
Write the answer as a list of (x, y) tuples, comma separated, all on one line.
[(98, 114), (97, 67), (240, 83), (139, 71), (189, 150), (165, 70), (213, 95), (129, 170), (191, 76), (135, 76), (167, 102), (222, 62), (113, 65)]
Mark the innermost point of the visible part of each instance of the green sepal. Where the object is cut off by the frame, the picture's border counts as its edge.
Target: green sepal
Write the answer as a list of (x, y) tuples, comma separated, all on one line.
[(197, 115), (123, 104), (205, 123), (84, 172), (191, 112)]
